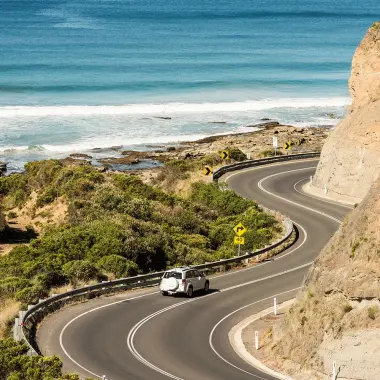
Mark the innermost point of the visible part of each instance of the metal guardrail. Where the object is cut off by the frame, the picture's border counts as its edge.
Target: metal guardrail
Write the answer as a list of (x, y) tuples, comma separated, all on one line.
[(29, 319), (25, 325), (264, 161)]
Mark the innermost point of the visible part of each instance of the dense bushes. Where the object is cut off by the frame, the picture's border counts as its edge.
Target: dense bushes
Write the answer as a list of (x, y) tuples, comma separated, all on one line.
[(118, 226), (118, 266), (225, 202), (15, 365)]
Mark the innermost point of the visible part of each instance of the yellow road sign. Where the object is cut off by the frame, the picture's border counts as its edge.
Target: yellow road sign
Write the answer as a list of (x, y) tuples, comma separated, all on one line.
[(225, 154), (207, 170), (240, 229), (238, 240), (288, 145)]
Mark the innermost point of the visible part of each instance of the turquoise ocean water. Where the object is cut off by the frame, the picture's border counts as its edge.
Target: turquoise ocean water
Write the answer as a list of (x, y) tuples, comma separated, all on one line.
[(77, 75)]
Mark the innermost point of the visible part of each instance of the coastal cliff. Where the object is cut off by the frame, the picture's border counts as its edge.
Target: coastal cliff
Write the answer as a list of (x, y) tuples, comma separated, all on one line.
[(350, 160), (337, 315)]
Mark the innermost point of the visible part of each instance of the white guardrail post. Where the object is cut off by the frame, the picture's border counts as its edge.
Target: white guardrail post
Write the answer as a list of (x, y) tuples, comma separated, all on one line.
[(38, 311), (275, 306)]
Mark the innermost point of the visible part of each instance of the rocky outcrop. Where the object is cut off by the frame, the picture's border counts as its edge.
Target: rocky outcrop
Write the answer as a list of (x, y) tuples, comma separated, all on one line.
[(341, 303), (350, 160)]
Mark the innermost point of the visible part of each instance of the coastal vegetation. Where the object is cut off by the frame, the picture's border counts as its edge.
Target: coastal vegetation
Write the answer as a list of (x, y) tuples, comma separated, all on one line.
[(115, 226), (15, 365), (118, 226)]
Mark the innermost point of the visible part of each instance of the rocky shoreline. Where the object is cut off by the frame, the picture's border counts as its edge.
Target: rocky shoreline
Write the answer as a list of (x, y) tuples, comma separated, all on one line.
[(255, 144)]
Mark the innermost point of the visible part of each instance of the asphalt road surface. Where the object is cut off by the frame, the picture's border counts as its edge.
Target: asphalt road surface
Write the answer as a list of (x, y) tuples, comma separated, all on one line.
[(143, 335)]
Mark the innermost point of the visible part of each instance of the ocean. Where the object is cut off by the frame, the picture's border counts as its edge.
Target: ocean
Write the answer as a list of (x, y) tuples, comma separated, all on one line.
[(79, 75)]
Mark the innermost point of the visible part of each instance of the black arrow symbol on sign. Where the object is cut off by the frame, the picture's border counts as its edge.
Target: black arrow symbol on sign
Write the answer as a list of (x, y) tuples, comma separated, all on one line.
[(208, 170), (240, 228), (225, 155)]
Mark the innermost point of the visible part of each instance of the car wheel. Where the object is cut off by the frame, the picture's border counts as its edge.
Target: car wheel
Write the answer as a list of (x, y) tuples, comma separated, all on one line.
[(190, 291), (207, 287), (164, 293)]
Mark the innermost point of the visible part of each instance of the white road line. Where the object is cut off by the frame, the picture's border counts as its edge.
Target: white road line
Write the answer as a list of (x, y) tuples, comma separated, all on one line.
[(144, 295), (228, 176), (85, 313), (135, 328), (319, 199), (292, 202), (227, 316), (156, 292)]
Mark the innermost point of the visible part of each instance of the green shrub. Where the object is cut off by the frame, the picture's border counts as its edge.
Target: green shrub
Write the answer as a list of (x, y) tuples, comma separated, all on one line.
[(271, 153), (225, 202), (16, 365), (30, 295), (48, 196), (12, 215), (119, 266), (11, 285), (237, 155), (347, 308), (82, 270), (372, 312)]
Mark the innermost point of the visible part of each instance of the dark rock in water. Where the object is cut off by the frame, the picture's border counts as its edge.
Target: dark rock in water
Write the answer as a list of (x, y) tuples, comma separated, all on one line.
[(268, 125), (163, 117), (265, 119), (171, 149), (80, 155), (218, 122), (154, 146), (128, 152), (135, 161), (3, 168)]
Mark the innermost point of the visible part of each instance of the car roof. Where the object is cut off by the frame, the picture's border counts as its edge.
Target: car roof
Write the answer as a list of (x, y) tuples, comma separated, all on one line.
[(179, 269)]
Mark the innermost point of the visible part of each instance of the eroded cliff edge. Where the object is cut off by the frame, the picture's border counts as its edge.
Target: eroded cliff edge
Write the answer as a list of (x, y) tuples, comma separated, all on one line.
[(350, 160), (336, 317)]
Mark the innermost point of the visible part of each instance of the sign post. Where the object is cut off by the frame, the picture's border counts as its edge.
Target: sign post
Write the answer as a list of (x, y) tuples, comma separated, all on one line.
[(239, 230), (275, 144)]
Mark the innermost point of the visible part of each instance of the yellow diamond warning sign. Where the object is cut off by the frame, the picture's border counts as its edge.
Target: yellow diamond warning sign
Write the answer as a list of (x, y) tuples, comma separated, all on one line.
[(240, 229)]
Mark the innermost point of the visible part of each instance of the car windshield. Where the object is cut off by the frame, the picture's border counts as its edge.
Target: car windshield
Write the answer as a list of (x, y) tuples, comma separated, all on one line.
[(176, 275)]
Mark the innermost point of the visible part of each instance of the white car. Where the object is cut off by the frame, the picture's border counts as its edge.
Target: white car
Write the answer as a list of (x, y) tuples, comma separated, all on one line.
[(185, 280)]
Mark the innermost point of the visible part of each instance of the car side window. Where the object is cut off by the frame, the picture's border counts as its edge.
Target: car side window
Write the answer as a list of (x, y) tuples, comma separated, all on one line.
[(189, 274), (196, 273)]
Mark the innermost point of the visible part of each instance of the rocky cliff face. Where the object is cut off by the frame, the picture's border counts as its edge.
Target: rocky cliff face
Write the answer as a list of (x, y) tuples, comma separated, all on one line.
[(337, 316), (350, 160)]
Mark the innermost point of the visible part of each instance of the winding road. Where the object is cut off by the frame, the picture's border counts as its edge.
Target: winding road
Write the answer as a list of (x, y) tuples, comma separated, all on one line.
[(143, 336)]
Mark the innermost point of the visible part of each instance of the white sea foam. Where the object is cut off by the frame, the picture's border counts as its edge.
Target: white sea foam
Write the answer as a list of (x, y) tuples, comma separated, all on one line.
[(170, 108), (108, 142)]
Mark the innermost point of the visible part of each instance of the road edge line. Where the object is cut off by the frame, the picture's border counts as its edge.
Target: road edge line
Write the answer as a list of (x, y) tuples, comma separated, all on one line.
[(237, 344)]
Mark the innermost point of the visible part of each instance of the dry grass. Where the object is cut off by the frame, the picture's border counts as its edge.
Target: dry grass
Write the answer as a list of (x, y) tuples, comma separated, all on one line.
[(30, 215), (8, 309)]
